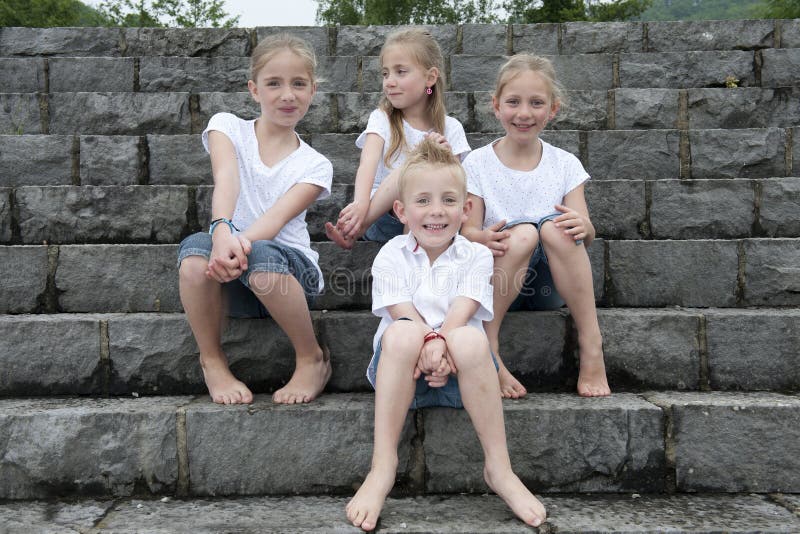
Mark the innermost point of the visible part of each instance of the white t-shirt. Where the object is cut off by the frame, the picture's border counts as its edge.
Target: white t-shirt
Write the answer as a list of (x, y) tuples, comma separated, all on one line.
[(510, 194), (378, 123), (261, 186), (402, 272)]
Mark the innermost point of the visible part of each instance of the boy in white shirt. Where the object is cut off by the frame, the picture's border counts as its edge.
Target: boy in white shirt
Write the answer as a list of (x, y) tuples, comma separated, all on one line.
[(431, 287)]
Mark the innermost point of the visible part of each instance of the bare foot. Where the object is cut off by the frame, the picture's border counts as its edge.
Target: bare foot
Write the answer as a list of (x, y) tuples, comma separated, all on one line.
[(592, 381), (336, 236), (307, 382), (510, 387), (510, 488), (365, 507), (223, 387)]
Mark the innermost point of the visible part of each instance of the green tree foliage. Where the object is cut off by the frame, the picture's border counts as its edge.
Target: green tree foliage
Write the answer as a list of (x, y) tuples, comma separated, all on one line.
[(365, 12), (48, 13), (168, 13), (706, 9), (525, 11), (778, 9)]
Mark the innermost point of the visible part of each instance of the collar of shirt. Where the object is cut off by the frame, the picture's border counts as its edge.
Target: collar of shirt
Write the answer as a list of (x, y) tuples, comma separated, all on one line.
[(458, 248)]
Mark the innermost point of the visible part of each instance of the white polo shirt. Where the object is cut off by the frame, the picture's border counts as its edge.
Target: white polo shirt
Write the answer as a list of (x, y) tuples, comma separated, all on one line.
[(402, 272)]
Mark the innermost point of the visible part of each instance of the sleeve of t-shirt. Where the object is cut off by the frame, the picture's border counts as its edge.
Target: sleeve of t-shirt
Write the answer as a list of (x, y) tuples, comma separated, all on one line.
[(389, 284), (319, 173), (226, 123), (454, 132), (574, 173), (378, 123), (472, 170), (475, 277)]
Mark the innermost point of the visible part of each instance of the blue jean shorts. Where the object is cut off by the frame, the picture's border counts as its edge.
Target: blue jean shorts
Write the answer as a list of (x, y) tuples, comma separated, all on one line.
[(425, 396), (387, 226), (266, 256), (539, 290)]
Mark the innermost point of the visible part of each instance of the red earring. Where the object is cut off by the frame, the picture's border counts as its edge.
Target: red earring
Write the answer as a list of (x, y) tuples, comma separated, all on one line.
[(429, 90)]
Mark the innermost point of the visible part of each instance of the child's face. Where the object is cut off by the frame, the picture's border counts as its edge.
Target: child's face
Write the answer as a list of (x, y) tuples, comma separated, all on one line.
[(405, 80), (284, 89), (525, 106), (433, 207)]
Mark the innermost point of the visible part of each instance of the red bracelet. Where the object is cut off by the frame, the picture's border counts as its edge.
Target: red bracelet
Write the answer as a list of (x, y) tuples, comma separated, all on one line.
[(433, 334)]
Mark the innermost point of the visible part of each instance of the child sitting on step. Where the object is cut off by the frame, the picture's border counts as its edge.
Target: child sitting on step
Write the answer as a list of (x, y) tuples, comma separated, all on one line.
[(529, 209), (411, 109), (256, 259), (431, 288)]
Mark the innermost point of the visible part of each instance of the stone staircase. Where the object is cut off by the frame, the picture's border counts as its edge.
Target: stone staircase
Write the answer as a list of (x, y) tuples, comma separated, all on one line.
[(695, 196)]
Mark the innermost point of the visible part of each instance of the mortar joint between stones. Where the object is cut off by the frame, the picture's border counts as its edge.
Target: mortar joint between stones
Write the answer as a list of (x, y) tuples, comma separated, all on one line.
[(702, 344)]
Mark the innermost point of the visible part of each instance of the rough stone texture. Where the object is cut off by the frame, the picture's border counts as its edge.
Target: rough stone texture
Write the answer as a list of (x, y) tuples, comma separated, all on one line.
[(487, 39), (568, 140), (743, 107), (651, 348), (532, 346), (790, 33), (540, 39), (348, 336), (317, 120), (206, 42), (67, 42), (5, 215), (485, 121), (157, 354), (673, 273), (119, 113), (58, 447), (584, 110), (457, 106), (19, 114), (316, 36), (23, 271), (646, 108), (46, 517), (194, 74), (679, 70), (795, 150), (587, 72), (91, 74), (109, 160), (22, 75), (49, 355), (371, 79), (772, 272), (754, 349), (368, 40), (601, 38), (35, 160), (617, 207), (118, 278), (348, 278), (557, 443), (324, 446), (737, 153), (337, 73), (734, 441), (474, 73), (343, 153), (780, 204), (68, 214), (633, 154), (709, 35), (597, 260), (178, 159), (780, 67), (354, 110), (701, 209)]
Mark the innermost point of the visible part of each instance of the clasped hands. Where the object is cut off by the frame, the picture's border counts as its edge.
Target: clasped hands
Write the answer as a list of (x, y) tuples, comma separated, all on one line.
[(435, 362)]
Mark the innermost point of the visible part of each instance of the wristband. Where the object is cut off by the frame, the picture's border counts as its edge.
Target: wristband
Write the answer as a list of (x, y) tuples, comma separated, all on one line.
[(433, 334), (224, 220)]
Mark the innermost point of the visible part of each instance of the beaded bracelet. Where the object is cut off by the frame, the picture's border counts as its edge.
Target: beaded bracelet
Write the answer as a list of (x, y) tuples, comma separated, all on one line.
[(224, 220)]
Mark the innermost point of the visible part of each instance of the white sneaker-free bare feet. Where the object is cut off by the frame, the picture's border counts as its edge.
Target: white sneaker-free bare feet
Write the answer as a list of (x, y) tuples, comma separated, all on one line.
[(510, 387), (592, 380), (307, 382), (223, 387), (510, 488), (365, 507)]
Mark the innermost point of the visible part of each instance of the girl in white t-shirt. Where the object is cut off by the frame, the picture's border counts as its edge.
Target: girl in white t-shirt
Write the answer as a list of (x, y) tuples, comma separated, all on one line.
[(256, 258), (529, 209), (411, 108)]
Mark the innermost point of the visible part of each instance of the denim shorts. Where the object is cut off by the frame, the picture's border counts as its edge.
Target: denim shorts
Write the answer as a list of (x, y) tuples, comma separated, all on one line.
[(265, 256), (538, 291), (425, 396), (387, 226)]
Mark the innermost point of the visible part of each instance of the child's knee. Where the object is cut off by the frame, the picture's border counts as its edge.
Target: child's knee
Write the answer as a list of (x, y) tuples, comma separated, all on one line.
[(523, 239), (403, 338), (193, 269), (468, 346), (554, 237)]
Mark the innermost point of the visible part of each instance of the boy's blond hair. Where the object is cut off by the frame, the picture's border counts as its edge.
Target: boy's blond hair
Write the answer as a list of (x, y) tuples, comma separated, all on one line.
[(429, 153), (522, 62), (272, 45)]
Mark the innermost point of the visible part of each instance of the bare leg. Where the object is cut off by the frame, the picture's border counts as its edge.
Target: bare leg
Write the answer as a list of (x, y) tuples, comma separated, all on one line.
[(202, 300), (285, 300), (509, 275), (572, 274), (480, 393), (394, 390)]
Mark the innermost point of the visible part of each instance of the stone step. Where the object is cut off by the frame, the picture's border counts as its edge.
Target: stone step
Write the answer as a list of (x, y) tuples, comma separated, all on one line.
[(486, 514), (155, 353), (631, 273), (728, 442)]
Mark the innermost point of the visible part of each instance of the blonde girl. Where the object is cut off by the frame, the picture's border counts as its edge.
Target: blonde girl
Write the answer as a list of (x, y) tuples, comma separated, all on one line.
[(529, 209), (256, 259), (411, 108)]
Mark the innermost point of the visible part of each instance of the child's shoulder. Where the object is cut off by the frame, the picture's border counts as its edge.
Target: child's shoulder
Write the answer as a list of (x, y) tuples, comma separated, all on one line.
[(559, 153), (310, 154), (480, 155), (473, 249)]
